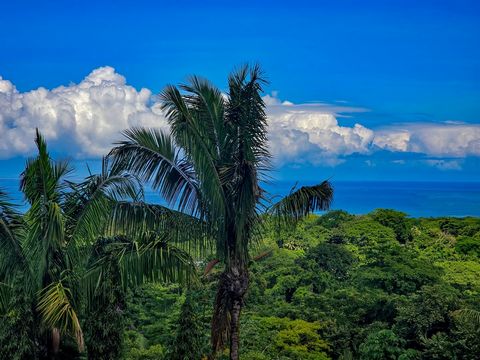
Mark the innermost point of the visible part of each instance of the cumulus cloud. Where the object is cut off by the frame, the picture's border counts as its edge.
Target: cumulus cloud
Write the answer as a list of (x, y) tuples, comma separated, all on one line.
[(451, 139), (311, 132), (80, 119)]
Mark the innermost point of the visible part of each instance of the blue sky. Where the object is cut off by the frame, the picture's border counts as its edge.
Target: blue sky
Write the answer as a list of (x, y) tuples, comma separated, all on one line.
[(407, 72)]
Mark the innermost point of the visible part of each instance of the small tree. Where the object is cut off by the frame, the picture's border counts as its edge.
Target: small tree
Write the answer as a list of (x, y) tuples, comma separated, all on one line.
[(189, 341)]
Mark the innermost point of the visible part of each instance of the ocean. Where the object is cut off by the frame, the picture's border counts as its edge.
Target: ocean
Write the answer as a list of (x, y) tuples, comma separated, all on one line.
[(417, 199)]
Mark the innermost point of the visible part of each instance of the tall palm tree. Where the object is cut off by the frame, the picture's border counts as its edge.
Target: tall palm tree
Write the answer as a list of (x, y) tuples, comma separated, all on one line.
[(50, 253), (211, 165)]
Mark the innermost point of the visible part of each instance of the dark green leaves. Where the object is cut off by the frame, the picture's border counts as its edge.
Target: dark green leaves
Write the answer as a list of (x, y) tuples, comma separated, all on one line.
[(152, 156), (302, 202)]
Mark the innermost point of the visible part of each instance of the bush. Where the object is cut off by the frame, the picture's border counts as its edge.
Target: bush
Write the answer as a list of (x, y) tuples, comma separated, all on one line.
[(154, 352), (334, 218), (468, 245), (381, 345), (283, 338), (363, 231), (395, 220), (332, 258)]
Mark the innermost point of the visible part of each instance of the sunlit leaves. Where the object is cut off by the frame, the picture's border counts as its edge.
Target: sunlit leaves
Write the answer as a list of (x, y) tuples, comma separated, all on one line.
[(55, 306)]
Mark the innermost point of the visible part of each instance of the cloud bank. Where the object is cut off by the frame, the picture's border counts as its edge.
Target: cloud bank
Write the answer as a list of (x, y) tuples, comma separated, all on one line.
[(83, 120)]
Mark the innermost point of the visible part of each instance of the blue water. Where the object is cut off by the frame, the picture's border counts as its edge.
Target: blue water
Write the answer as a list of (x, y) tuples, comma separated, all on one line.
[(417, 199)]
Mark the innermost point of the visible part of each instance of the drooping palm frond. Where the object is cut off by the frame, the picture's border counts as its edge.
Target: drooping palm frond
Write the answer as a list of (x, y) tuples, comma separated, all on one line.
[(132, 219), (90, 203), (151, 155), (155, 260), (55, 305), (8, 213), (11, 253), (5, 296), (149, 259), (468, 315), (299, 203)]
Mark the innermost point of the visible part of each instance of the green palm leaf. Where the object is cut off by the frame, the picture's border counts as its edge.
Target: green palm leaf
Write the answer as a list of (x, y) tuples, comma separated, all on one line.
[(11, 252), (191, 134), (89, 205), (469, 315), (151, 155), (299, 203), (55, 307), (132, 219)]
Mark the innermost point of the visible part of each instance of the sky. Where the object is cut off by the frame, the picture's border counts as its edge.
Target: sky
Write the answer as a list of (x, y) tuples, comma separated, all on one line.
[(358, 90)]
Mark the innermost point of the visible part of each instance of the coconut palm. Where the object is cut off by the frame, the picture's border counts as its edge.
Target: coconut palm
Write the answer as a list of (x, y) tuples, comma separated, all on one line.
[(60, 254), (211, 166)]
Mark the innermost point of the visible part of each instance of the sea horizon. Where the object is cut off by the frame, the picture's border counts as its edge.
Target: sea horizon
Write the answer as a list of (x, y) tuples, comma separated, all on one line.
[(415, 198)]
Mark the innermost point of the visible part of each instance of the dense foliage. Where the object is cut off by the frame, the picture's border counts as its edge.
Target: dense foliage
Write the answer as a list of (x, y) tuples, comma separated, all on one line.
[(340, 287)]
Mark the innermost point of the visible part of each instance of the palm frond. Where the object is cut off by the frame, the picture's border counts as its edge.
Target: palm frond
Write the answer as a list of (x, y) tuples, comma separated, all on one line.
[(42, 178), (149, 259), (155, 261), (44, 239), (190, 134), (468, 315), (56, 309), (299, 203), (151, 155), (133, 219), (89, 205), (207, 106), (11, 253), (246, 118)]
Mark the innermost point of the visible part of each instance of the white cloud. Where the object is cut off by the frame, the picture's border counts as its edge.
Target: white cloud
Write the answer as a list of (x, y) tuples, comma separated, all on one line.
[(84, 119), (81, 119), (452, 139), (392, 139), (311, 132)]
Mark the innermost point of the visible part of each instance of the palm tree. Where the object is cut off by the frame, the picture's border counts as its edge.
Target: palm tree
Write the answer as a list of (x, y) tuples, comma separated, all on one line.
[(74, 240), (211, 166)]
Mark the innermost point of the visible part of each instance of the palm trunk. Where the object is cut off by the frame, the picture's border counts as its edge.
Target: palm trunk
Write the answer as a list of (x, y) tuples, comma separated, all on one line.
[(55, 343), (235, 329), (238, 286), (232, 287)]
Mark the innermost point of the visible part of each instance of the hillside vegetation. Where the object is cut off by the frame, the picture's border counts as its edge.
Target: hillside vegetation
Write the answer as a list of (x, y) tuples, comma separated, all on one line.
[(379, 286)]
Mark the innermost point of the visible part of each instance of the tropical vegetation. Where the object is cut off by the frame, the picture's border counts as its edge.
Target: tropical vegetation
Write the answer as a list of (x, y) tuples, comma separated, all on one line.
[(338, 287)]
